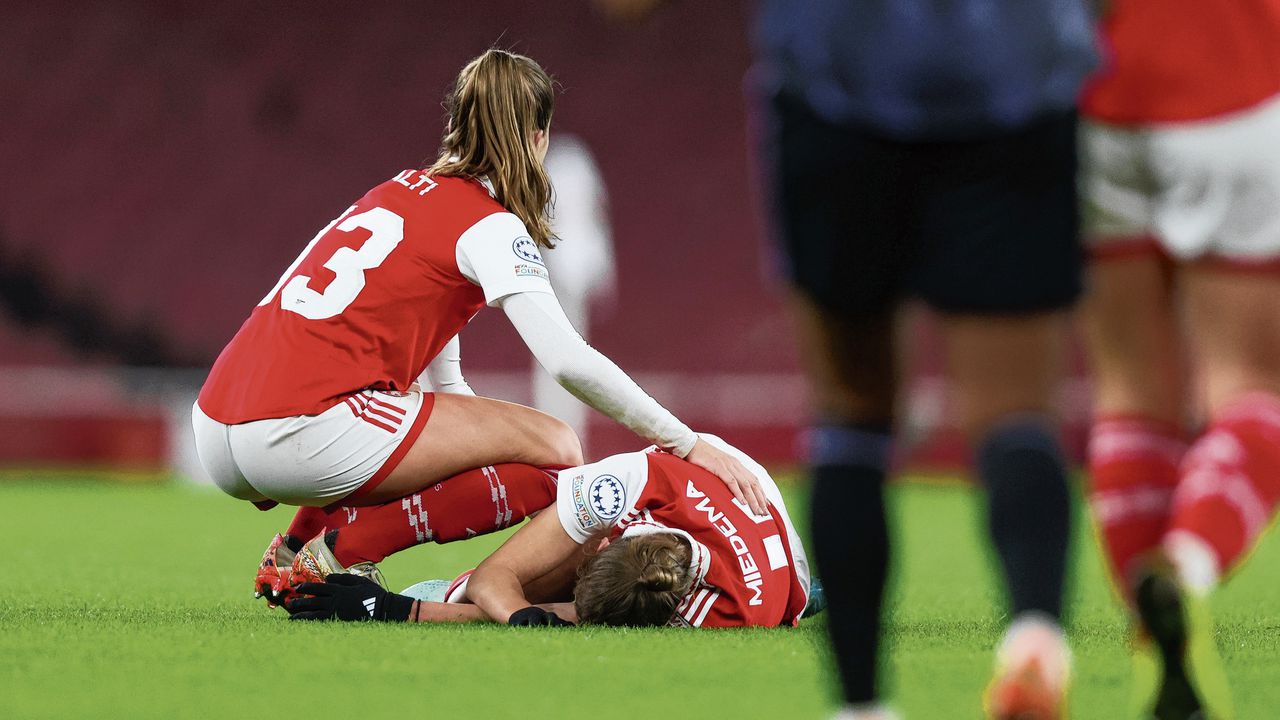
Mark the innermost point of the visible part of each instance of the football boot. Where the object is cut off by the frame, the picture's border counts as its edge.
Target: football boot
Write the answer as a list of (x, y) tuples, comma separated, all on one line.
[(272, 580), (1176, 658), (316, 561), (817, 599), (1033, 670)]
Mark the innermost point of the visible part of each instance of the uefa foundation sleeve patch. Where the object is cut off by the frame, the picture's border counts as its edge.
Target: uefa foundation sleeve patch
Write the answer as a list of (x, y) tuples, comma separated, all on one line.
[(586, 520), (597, 496)]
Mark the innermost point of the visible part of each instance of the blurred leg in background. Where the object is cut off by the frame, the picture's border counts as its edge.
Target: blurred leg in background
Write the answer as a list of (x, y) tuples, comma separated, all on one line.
[(1139, 434), (850, 366), (838, 201), (1005, 372), (1230, 483)]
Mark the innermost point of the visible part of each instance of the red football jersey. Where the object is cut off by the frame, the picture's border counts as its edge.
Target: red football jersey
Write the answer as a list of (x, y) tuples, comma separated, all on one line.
[(751, 570), (1181, 60), (373, 298)]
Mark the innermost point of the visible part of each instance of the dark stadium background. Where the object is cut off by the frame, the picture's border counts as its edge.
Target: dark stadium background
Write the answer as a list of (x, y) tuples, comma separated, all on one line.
[(164, 162)]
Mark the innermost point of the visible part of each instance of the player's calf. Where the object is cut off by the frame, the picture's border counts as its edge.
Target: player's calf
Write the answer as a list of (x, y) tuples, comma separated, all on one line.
[(1228, 492), (1133, 469)]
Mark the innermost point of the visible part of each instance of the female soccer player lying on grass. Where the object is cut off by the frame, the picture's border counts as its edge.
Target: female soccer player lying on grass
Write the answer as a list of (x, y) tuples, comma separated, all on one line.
[(651, 540), (314, 401)]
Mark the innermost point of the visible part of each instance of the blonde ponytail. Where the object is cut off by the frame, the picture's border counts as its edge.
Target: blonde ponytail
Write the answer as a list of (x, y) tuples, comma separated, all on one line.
[(637, 581), (661, 574), (498, 101)]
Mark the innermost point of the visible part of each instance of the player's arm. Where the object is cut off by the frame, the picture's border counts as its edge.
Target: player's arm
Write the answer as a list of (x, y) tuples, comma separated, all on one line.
[(597, 381), (356, 598), (497, 254), (538, 567), (444, 373), (438, 612), (538, 548)]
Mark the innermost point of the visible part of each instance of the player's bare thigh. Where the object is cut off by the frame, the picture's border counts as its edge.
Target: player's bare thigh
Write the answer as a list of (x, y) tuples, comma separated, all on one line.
[(1003, 364), (1234, 321), (466, 432), (1132, 335)]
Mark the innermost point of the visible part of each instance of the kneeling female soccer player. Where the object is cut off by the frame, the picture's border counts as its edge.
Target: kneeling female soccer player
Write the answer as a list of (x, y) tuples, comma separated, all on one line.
[(316, 402), (651, 539)]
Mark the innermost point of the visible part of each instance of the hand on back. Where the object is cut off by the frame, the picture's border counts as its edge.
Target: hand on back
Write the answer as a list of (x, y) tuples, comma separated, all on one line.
[(744, 485)]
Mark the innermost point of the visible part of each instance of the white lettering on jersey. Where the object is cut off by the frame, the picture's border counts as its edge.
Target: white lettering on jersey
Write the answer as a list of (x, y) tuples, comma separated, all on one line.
[(303, 256), (751, 576), (423, 179), (386, 230)]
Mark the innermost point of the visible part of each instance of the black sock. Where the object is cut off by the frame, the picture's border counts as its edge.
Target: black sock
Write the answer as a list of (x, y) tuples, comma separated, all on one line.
[(1028, 512), (851, 548)]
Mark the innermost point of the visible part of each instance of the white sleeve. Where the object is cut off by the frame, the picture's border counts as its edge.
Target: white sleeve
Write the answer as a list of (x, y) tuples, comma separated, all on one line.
[(498, 255), (444, 373), (594, 497), (590, 376)]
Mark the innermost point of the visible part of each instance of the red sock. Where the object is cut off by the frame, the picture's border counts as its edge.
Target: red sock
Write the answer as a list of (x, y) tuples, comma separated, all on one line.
[(1230, 484), (1133, 464), (311, 521), (472, 503)]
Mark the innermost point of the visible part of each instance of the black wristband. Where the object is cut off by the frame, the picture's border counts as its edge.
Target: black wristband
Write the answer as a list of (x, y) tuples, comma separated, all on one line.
[(396, 607)]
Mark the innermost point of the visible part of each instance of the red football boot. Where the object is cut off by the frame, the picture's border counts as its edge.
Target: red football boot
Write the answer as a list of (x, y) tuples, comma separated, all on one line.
[(1033, 670), (275, 572)]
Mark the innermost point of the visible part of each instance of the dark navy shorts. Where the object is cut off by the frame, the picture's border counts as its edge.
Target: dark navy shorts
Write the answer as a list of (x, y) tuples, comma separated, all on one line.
[(986, 226)]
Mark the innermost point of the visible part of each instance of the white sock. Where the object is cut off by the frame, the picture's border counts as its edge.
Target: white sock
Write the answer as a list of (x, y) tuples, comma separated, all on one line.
[(1194, 560)]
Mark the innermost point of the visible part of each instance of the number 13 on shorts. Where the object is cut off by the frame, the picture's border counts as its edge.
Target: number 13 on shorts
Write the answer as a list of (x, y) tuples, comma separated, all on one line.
[(386, 230)]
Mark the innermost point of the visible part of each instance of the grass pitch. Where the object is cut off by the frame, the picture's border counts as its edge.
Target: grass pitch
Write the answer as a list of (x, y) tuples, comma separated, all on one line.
[(134, 602)]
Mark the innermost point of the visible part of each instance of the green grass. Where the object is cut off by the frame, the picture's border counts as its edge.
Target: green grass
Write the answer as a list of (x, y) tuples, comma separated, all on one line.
[(133, 601)]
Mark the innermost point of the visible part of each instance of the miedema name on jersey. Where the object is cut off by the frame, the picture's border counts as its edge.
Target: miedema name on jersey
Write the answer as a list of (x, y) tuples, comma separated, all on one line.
[(751, 576)]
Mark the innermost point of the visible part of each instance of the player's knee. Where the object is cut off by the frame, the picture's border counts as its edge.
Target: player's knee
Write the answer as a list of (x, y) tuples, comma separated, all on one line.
[(1224, 385), (561, 443)]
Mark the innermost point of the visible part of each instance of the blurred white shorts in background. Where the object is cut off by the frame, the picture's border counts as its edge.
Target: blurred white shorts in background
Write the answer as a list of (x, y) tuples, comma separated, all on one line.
[(1197, 189)]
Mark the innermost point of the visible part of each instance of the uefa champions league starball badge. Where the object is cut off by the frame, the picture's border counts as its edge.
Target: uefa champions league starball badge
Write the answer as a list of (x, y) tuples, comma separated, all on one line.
[(607, 496), (526, 249)]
